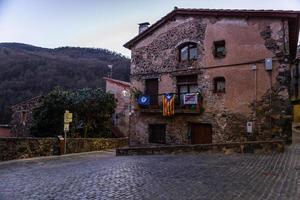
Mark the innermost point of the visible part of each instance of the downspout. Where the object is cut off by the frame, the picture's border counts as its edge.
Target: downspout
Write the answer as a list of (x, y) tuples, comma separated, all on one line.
[(254, 68), (271, 100)]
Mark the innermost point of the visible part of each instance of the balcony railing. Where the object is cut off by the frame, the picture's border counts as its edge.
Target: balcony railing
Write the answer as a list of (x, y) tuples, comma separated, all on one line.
[(156, 105)]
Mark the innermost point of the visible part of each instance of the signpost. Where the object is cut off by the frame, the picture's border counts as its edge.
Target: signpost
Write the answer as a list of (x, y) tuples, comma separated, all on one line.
[(67, 120)]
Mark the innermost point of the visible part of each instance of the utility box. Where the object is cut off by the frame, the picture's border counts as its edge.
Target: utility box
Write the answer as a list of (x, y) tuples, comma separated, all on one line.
[(268, 64), (249, 127)]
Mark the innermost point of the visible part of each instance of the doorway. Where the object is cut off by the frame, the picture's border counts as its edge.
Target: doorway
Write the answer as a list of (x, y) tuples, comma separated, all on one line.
[(157, 133), (201, 133)]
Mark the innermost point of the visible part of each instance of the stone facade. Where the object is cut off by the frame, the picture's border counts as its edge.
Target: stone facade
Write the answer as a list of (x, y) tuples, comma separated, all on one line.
[(252, 93), (121, 92), (22, 116)]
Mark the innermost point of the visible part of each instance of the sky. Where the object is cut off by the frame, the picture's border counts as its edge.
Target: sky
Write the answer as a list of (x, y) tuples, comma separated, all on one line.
[(100, 23)]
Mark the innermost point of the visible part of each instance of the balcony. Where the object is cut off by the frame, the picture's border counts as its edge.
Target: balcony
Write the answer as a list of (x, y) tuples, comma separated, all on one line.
[(156, 105)]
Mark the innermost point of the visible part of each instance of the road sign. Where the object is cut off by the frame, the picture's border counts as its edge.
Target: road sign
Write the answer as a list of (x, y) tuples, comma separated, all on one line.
[(68, 117), (66, 127)]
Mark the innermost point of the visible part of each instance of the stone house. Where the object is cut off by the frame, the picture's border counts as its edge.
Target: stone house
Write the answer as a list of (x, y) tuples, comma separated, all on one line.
[(235, 64), (22, 116), (121, 92)]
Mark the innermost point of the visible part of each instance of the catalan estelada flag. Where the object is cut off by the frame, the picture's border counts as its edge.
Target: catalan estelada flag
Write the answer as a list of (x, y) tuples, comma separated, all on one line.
[(168, 105)]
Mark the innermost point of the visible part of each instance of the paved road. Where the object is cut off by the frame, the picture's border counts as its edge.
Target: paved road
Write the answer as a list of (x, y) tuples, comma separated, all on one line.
[(104, 176)]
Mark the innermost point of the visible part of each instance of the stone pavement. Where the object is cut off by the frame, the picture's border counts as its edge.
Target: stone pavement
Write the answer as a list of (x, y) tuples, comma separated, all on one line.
[(104, 176)]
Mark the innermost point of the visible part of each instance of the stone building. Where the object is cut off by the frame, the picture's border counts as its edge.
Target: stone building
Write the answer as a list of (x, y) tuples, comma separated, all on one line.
[(22, 116), (121, 92), (235, 64)]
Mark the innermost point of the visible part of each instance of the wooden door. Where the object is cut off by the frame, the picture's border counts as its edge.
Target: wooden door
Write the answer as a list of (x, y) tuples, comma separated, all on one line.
[(201, 133), (157, 133), (152, 90)]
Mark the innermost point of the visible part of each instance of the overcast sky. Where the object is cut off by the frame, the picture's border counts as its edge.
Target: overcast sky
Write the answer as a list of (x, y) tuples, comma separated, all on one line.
[(99, 23)]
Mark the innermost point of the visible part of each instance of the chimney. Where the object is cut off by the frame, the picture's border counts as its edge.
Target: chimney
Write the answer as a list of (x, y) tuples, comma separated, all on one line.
[(143, 27)]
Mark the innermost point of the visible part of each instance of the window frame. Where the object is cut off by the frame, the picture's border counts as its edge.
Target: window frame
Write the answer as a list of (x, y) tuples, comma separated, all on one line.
[(219, 44), (216, 80), (189, 45)]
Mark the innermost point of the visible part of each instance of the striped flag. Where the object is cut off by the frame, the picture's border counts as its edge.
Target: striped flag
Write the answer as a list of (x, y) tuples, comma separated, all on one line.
[(168, 105)]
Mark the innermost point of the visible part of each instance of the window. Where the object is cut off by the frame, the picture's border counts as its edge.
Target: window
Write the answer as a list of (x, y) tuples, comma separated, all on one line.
[(152, 90), (188, 52), (186, 84), (219, 49), (219, 85), (23, 117), (157, 133)]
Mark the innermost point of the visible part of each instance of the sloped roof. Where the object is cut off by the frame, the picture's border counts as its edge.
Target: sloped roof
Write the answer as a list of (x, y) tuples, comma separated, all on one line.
[(27, 101), (119, 82), (292, 16)]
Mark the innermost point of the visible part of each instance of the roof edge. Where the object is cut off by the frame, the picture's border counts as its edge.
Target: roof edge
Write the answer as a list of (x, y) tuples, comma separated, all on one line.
[(127, 84), (213, 12)]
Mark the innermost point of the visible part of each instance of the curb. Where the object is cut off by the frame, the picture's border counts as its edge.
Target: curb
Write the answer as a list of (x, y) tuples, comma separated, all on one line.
[(58, 156)]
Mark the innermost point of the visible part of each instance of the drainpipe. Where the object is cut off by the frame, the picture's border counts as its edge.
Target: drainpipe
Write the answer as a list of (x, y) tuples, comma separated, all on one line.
[(270, 72), (254, 68)]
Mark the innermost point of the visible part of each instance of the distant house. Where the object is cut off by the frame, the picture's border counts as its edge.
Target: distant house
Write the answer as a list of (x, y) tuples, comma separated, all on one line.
[(213, 76), (22, 116), (5, 130), (121, 92)]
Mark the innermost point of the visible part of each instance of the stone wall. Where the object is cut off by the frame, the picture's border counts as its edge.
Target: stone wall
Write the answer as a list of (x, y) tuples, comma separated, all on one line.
[(257, 147), (76, 145), (248, 42), (18, 148)]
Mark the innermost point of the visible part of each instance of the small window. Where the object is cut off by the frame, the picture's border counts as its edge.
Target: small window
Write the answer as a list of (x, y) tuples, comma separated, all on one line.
[(219, 85), (219, 49), (152, 90), (23, 117), (188, 52)]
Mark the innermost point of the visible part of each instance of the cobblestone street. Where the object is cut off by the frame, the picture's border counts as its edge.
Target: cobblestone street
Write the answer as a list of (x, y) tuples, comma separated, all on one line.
[(104, 176)]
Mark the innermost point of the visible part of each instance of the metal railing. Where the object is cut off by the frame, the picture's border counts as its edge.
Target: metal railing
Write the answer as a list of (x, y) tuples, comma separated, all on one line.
[(156, 102)]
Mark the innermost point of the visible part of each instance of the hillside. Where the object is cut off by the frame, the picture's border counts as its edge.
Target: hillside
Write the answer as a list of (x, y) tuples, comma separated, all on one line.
[(27, 71)]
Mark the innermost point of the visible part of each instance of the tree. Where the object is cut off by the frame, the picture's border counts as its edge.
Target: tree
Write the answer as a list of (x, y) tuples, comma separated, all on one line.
[(48, 117), (92, 110)]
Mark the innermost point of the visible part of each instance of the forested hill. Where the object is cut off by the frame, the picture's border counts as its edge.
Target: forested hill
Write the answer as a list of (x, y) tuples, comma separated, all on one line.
[(27, 71)]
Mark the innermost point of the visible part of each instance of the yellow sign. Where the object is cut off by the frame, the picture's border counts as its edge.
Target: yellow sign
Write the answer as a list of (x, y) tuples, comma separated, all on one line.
[(68, 117), (296, 113)]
